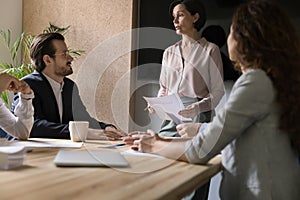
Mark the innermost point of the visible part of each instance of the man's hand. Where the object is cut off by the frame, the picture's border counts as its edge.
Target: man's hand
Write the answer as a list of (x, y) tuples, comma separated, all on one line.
[(114, 134), (109, 133)]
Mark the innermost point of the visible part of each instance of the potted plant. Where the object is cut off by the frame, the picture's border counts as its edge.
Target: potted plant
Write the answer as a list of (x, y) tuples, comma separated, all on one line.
[(20, 67)]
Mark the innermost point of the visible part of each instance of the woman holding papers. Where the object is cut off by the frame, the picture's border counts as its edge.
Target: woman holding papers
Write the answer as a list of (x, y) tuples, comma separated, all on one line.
[(191, 68), (258, 129), (21, 125)]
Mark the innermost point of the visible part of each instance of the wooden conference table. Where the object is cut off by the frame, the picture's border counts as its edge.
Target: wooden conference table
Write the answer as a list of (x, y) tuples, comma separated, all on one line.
[(146, 178)]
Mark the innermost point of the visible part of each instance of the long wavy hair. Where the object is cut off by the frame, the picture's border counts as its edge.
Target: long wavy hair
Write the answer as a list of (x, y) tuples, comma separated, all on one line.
[(266, 39)]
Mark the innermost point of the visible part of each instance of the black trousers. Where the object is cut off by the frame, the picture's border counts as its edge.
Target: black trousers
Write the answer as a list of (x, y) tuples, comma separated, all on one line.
[(202, 192)]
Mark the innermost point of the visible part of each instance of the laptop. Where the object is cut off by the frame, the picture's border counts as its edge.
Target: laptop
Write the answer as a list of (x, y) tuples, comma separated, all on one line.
[(73, 158)]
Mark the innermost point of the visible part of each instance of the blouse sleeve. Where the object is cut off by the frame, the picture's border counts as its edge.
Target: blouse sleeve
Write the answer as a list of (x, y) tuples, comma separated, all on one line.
[(216, 84), (163, 77), (20, 125)]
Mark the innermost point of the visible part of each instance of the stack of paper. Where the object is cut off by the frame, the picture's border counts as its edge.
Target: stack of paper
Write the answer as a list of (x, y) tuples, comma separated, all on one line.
[(11, 157)]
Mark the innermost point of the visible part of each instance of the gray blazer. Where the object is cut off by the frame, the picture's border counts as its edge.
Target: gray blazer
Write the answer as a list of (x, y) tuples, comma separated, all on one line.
[(257, 157)]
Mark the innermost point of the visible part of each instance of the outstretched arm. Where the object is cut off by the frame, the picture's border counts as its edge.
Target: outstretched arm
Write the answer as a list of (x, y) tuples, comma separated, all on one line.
[(172, 148)]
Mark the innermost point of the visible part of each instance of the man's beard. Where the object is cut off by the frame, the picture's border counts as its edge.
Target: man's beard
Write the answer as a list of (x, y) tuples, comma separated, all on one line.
[(65, 72)]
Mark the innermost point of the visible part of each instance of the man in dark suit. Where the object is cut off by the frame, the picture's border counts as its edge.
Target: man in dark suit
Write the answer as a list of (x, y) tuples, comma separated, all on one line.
[(57, 99)]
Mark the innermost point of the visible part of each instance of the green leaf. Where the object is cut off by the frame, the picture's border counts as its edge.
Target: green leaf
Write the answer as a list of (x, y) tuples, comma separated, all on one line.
[(76, 53), (8, 37), (4, 36), (5, 99), (16, 47), (55, 29), (4, 66)]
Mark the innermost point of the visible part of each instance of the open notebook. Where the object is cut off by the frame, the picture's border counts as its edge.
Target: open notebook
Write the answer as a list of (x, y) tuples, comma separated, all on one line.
[(73, 158)]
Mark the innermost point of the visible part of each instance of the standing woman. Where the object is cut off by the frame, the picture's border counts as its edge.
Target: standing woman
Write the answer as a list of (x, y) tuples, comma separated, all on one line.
[(192, 67), (258, 129)]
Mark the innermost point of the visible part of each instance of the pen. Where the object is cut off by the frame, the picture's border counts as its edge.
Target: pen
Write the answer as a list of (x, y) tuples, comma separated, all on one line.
[(118, 145), (113, 146)]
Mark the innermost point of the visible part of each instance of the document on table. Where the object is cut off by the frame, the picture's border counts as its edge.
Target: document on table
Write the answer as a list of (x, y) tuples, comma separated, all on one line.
[(167, 107), (61, 144)]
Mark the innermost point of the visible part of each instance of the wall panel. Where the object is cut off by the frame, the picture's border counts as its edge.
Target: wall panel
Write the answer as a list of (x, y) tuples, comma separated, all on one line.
[(93, 23)]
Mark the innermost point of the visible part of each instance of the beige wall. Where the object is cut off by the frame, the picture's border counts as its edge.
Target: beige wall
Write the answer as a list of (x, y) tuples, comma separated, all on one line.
[(10, 18), (98, 27)]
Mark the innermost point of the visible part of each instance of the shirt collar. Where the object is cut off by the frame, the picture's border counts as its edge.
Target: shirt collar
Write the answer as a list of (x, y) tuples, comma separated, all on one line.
[(55, 85)]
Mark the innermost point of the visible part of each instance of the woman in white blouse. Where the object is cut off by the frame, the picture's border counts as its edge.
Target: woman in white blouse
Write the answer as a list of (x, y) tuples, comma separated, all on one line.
[(18, 126), (192, 67)]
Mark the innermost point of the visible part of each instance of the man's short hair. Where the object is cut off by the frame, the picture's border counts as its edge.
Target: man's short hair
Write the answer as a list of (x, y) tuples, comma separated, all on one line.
[(42, 45)]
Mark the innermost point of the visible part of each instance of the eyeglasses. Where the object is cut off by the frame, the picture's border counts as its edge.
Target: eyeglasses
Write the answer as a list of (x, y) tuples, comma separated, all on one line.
[(65, 54)]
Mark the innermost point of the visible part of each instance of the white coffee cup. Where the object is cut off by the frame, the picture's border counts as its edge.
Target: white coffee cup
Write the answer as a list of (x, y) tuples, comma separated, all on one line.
[(78, 130)]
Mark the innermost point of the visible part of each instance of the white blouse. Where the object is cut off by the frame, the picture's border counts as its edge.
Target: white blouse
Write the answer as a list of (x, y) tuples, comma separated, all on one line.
[(20, 125), (200, 75)]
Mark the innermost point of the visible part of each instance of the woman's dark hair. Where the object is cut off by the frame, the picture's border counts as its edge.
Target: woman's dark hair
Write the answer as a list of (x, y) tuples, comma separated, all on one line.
[(42, 45), (267, 39), (193, 6)]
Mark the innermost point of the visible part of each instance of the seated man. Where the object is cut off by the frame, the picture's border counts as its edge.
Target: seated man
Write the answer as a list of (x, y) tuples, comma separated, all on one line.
[(57, 99), (18, 126)]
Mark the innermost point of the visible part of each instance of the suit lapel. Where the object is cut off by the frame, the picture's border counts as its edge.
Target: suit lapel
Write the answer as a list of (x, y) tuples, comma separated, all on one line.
[(51, 95)]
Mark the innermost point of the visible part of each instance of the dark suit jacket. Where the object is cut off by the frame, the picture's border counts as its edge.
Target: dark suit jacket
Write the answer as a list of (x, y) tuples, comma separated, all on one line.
[(46, 115)]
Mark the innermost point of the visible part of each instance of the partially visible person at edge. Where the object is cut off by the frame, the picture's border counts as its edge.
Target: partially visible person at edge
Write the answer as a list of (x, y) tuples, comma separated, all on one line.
[(192, 67), (258, 130), (18, 126), (217, 35), (57, 99)]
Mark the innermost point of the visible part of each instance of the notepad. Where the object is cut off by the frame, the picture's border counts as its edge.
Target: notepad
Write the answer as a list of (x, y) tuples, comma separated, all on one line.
[(73, 158), (11, 157)]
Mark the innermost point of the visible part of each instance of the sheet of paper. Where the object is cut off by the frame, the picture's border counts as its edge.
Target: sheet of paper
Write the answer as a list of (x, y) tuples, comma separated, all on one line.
[(62, 144), (167, 107)]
